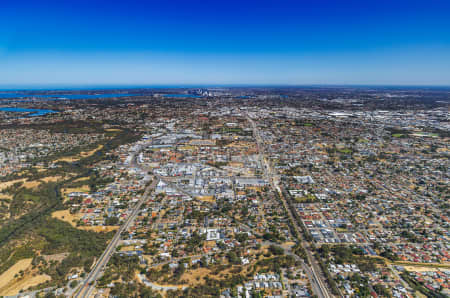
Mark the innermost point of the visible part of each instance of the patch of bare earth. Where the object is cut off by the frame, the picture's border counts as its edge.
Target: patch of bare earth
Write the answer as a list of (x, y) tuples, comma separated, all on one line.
[(20, 276), (66, 216), (72, 219)]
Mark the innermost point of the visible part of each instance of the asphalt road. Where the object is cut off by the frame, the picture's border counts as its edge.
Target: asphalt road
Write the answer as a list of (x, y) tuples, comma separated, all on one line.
[(313, 272), (89, 283), (88, 286)]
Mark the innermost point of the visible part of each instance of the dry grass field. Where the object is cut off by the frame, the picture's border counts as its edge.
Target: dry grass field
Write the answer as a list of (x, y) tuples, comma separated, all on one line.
[(99, 229), (29, 184), (209, 199), (11, 281), (66, 216), (195, 277), (7, 184), (72, 219), (82, 154)]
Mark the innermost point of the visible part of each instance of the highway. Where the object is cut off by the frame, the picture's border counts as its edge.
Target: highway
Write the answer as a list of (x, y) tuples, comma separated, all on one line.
[(313, 272), (88, 285)]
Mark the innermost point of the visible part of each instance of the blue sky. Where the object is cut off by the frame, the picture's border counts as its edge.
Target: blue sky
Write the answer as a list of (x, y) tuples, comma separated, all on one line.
[(224, 42)]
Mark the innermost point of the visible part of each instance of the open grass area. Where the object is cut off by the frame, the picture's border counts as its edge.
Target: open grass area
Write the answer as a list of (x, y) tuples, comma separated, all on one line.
[(81, 155), (4, 185), (37, 183), (66, 191), (72, 219), (425, 134), (113, 130), (82, 188), (5, 197), (29, 183), (345, 150), (305, 199), (81, 179), (23, 283), (209, 199), (66, 216), (397, 135), (420, 268), (99, 229), (20, 276), (428, 265), (9, 274), (195, 276), (187, 147)]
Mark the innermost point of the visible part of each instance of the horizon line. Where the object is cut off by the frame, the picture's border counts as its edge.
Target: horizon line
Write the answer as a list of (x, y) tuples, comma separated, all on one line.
[(18, 87)]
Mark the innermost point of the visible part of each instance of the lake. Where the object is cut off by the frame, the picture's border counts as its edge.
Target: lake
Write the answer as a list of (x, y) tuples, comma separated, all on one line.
[(33, 112), (182, 95)]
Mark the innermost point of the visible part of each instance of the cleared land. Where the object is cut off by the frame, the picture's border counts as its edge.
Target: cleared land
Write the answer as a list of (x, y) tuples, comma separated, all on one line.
[(99, 229), (72, 219), (81, 179), (36, 183), (66, 191), (79, 156), (29, 184), (8, 275), (195, 277), (66, 216), (445, 265), (12, 281), (7, 184), (113, 129), (23, 283), (5, 197), (209, 199), (420, 269), (83, 188)]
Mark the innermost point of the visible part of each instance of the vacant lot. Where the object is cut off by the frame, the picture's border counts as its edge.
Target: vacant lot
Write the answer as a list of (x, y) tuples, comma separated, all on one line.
[(66, 191), (99, 229), (72, 219), (83, 188), (65, 215), (209, 199), (195, 277)]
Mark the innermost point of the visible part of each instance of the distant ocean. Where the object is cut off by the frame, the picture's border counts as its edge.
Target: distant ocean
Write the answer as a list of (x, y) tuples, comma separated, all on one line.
[(61, 96)]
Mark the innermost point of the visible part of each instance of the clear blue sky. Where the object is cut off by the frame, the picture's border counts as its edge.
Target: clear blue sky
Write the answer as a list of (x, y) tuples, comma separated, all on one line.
[(404, 42)]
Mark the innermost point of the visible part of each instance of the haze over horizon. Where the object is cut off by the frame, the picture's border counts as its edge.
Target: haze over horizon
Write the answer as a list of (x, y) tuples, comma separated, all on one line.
[(54, 43)]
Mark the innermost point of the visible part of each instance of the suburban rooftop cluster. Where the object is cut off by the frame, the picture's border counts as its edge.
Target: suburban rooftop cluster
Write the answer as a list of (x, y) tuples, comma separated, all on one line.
[(227, 192)]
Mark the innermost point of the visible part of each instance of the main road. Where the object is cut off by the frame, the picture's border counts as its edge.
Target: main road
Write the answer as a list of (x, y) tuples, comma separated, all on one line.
[(88, 286), (313, 272)]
